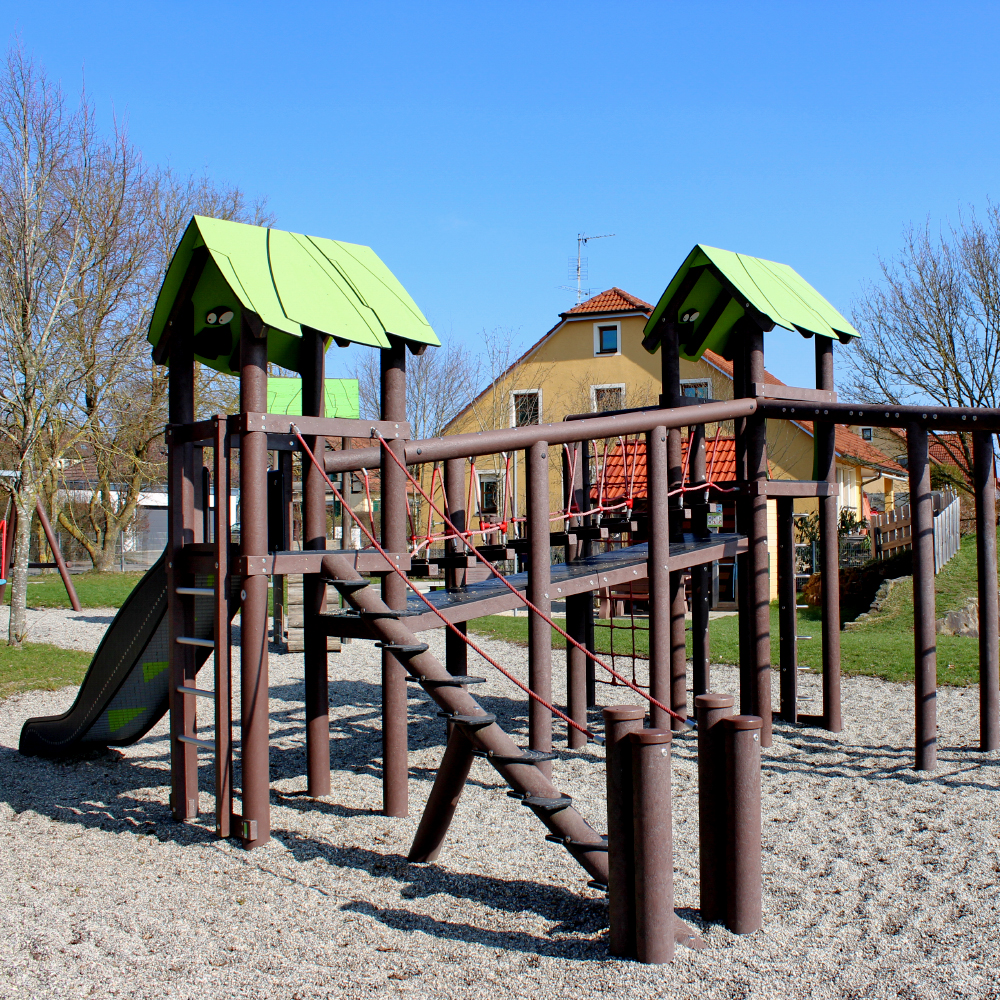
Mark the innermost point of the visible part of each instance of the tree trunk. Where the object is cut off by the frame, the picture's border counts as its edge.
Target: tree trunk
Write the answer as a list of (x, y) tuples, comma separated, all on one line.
[(18, 628)]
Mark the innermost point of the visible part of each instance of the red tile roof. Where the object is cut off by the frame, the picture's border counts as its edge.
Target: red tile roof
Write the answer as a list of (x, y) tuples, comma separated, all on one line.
[(613, 300), (625, 473), (726, 367)]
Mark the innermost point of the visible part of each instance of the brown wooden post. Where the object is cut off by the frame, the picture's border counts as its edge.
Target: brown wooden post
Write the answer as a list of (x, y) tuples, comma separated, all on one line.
[(223, 634), (255, 755), (312, 366), (658, 574), (443, 800), (825, 442), (456, 650), (743, 828), (787, 617), (712, 802), (989, 611), (671, 396), (587, 598), (759, 563), (576, 605), (180, 532), (395, 773), (701, 576), (924, 635), (57, 555), (742, 564), (536, 463)]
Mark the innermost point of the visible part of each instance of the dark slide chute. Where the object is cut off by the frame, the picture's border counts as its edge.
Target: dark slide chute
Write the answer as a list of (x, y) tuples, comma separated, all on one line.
[(125, 692)]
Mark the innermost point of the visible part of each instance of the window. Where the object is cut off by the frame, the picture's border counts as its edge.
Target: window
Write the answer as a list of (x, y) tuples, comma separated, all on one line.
[(526, 408), (866, 433), (607, 338), (489, 494), (697, 388), (848, 484), (607, 397)]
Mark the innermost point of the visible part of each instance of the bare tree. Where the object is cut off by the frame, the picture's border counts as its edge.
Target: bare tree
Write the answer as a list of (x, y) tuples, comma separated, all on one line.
[(50, 165), (125, 399), (931, 326)]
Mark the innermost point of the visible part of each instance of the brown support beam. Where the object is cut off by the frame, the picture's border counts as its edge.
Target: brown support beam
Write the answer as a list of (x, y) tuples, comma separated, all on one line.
[(456, 650), (745, 620), (576, 605), (312, 366), (223, 637), (180, 532), (659, 574), (824, 442), (536, 464), (443, 800), (787, 618), (759, 562), (924, 636), (989, 607), (587, 549), (395, 768), (254, 710), (57, 556), (701, 576)]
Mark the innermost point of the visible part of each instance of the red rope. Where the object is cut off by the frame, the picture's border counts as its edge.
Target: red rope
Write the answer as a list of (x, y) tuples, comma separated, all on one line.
[(454, 628), (528, 604)]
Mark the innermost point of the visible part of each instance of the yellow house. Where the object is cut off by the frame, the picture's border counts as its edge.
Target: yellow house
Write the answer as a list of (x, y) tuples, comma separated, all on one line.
[(593, 360)]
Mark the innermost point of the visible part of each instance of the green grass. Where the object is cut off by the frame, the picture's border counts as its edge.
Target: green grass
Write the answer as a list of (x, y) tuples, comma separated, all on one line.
[(37, 665), (95, 590), (881, 647)]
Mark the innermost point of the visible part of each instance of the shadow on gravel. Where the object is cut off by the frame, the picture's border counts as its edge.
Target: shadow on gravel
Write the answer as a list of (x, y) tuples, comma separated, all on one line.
[(403, 920)]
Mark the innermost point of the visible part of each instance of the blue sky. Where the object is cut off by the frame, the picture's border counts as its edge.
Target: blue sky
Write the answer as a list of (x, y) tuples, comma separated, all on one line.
[(468, 143)]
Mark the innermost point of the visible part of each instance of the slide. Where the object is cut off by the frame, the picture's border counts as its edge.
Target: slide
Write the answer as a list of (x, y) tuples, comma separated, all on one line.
[(125, 691)]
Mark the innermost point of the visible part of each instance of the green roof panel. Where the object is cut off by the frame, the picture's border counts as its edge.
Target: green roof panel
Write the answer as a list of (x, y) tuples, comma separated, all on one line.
[(722, 287), (290, 281)]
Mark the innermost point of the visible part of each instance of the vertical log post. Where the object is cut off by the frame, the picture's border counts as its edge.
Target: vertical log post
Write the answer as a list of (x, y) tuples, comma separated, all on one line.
[(456, 651), (536, 462), (253, 619), (223, 634), (824, 444), (711, 710), (743, 831), (924, 635), (759, 563), (701, 576), (587, 599), (787, 618), (742, 564), (658, 572), (986, 564), (619, 722), (654, 846), (395, 792), (312, 365), (180, 528), (576, 608)]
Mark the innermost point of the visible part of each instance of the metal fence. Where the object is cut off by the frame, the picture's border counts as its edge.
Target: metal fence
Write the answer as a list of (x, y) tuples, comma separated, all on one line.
[(892, 530)]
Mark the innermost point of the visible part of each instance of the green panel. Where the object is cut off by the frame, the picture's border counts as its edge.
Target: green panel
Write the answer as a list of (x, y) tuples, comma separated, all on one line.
[(774, 290), (153, 669), (119, 717), (284, 395), (290, 281)]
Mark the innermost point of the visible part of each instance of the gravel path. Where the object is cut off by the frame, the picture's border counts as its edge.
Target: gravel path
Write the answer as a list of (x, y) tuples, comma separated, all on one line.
[(879, 882)]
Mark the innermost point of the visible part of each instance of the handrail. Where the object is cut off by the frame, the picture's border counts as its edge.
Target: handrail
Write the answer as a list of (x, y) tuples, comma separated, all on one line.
[(516, 438)]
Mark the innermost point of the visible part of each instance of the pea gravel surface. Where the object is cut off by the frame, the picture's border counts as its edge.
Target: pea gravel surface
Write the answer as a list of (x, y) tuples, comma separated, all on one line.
[(878, 881)]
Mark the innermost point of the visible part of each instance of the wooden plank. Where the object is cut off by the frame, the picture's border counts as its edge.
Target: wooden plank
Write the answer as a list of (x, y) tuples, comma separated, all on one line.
[(310, 561)]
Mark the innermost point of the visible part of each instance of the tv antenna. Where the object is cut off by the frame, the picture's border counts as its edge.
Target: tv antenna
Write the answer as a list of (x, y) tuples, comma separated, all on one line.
[(578, 265)]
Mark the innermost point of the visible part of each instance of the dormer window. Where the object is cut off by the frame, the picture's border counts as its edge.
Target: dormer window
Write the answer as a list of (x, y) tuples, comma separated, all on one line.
[(866, 433), (607, 338)]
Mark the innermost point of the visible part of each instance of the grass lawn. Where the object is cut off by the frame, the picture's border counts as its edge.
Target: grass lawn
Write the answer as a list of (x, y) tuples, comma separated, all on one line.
[(95, 590), (37, 665), (881, 647)]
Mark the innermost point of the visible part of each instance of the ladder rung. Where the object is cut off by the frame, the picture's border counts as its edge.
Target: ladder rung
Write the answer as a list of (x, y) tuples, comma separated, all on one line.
[(404, 649), (525, 757), (197, 692), (200, 744), (349, 585), (470, 721), (458, 680), (555, 838), (545, 804), (187, 640), (195, 591)]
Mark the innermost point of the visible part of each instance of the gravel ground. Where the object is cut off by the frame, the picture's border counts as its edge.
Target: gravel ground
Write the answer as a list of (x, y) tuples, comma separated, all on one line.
[(879, 882)]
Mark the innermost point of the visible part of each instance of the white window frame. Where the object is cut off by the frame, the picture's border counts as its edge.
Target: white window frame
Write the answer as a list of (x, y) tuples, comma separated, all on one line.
[(871, 434), (513, 403), (489, 477), (598, 353), (847, 480), (605, 385), (699, 382)]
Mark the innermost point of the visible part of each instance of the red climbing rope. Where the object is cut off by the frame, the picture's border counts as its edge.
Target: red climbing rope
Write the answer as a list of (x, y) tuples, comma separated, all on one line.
[(624, 680), (454, 628)]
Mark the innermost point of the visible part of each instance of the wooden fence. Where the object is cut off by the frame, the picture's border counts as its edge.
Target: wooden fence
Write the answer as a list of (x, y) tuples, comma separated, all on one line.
[(891, 531)]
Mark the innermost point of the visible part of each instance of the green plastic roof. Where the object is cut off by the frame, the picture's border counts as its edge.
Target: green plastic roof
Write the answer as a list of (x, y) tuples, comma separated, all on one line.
[(723, 287), (290, 281), (284, 395)]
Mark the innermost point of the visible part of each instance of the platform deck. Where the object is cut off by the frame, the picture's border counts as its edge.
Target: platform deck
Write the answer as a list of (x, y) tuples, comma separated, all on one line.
[(491, 597)]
